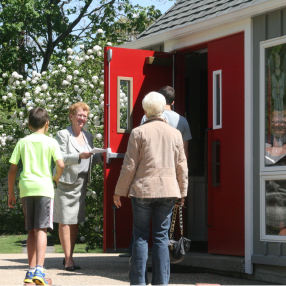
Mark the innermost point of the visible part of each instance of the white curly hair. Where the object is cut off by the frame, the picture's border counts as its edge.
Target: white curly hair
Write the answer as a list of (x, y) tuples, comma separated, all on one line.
[(154, 104)]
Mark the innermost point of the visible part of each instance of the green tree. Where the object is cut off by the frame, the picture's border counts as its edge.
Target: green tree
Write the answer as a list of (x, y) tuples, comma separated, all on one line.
[(35, 33)]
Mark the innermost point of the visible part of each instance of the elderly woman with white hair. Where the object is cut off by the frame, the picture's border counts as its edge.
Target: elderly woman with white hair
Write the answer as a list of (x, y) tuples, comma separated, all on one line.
[(153, 175)]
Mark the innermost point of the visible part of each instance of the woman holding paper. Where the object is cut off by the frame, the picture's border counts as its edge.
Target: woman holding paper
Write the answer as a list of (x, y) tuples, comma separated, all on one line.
[(69, 203)]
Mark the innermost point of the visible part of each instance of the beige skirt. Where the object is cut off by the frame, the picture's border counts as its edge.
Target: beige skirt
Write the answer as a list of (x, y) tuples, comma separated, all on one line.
[(69, 201)]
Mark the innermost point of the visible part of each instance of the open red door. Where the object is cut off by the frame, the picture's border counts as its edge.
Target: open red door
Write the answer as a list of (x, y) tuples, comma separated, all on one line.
[(129, 76), (226, 146)]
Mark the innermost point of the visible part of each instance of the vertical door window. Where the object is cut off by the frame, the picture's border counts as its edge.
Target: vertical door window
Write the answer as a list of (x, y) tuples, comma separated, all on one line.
[(124, 104), (217, 94)]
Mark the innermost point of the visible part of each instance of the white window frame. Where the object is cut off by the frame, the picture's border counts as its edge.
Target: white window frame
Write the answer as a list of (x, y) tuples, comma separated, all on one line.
[(263, 235), (267, 173), (264, 45), (215, 73)]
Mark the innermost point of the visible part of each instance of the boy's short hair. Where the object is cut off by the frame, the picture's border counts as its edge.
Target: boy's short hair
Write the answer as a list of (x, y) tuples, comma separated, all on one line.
[(38, 117), (169, 94)]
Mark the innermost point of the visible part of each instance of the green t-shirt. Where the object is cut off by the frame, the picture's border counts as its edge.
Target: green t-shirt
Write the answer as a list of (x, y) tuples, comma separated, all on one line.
[(36, 152)]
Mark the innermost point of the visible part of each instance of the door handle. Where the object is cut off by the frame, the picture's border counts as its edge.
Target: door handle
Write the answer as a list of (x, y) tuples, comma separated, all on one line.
[(215, 163), (206, 173), (110, 155)]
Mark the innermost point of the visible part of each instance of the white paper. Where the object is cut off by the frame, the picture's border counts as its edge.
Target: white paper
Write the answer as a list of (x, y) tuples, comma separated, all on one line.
[(97, 150)]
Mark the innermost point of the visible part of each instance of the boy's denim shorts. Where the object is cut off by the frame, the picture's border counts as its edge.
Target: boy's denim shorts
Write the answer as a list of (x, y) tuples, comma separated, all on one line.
[(38, 212)]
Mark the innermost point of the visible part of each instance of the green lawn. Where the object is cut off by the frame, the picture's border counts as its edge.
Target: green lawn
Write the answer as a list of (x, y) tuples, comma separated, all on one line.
[(13, 244), (79, 248)]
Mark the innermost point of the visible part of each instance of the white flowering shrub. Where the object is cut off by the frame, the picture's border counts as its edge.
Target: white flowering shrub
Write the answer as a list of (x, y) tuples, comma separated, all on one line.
[(79, 78)]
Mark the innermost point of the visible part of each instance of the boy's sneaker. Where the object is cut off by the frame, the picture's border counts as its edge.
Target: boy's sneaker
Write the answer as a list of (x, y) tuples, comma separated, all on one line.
[(39, 277), (29, 277)]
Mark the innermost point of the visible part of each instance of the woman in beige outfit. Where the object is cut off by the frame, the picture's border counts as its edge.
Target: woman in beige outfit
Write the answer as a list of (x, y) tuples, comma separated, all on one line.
[(153, 175)]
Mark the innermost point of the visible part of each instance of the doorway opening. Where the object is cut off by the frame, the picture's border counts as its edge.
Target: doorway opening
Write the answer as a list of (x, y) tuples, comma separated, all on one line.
[(196, 108)]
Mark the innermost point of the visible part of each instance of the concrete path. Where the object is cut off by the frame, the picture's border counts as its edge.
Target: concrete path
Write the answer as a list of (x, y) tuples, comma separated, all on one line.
[(98, 269)]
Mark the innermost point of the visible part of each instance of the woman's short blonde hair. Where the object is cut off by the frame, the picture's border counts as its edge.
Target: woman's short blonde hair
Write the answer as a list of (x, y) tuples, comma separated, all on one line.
[(154, 104), (77, 105)]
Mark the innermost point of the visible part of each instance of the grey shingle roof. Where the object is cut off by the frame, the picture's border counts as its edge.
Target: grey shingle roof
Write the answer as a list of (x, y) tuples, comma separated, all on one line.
[(191, 11)]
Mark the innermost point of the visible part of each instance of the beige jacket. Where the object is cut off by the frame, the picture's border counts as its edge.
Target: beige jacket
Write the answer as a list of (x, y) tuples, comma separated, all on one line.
[(155, 164)]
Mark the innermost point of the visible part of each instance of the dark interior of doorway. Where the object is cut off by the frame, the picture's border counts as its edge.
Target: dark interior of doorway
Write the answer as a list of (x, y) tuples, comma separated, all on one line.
[(196, 108)]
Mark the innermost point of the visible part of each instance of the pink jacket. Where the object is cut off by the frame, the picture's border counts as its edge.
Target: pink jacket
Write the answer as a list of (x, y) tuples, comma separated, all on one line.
[(155, 165)]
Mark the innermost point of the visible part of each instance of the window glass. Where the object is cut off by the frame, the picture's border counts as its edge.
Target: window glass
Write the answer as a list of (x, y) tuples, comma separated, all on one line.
[(217, 99), (275, 105), (124, 104), (275, 207)]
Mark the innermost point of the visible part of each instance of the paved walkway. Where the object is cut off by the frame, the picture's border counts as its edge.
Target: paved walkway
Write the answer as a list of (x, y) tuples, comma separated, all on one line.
[(98, 269)]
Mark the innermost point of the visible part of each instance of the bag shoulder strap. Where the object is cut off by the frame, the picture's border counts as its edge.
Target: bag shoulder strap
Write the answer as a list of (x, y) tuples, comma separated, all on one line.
[(172, 228)]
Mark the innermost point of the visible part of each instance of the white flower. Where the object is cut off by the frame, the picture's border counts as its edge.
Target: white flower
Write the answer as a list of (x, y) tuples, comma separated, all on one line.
[(88, 193), (81, 80), (39, 75), (9, 94), (21, 113), (23, 125), (76, 87), (15, 74), (91, 85), (96, 229), (135, 15), (63, 70), (86, 219), (77, 58), (68, 62), (98, 91), (26, 132), (23, 82), (94, 196), (28, 79), (86, 57), (102, 104), (55, 72), (90, 115), (3, 143), (98, 136), (99, 31), (27, 94), (75, 72), (99, 53), (109, 44), (26, 120), (4, 75), (78, 97), (79, 91), (91, 57), (36, 92), (82, 238), (65, 82), (89, 51), (69, 77), (81, 47), (69, 51), (101, 83), (34, 73), (44, 87), (4, 97), (16, 82), (82, 223), (95, 79), (1, 126), (96, 48), (44, 73), (33, 81), (60, 66)]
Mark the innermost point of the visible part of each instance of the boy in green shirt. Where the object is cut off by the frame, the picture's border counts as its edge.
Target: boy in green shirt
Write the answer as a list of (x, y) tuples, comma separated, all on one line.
[(36, 189)]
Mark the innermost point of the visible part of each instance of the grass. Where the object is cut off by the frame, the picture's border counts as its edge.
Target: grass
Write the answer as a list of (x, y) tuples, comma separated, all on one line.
[(79, 248), (11, 243)]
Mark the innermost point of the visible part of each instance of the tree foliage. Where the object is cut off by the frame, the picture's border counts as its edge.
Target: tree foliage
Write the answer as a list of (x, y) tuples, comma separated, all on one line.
[(35, 33)]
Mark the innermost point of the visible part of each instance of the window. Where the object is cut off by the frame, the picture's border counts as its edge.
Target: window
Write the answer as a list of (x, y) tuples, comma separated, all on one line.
[(217, 100), (124, 104), (273, 140)]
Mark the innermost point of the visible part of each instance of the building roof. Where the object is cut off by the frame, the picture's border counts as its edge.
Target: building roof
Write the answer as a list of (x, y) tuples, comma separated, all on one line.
[(186, 12)]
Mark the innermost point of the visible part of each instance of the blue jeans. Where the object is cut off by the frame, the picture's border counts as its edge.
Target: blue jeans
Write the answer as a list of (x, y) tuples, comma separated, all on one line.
[(160, 210)]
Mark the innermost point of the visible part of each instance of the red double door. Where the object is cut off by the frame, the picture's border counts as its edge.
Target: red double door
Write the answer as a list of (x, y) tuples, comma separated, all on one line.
[(226, 200)]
